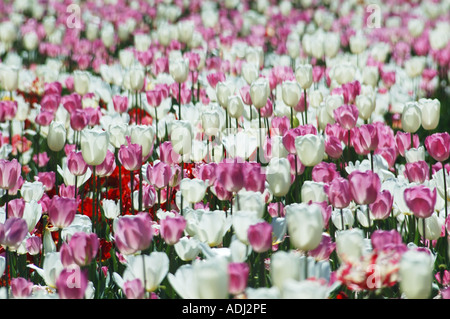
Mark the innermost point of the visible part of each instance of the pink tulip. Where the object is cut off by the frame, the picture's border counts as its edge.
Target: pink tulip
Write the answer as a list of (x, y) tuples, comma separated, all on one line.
[(13, 232), (44, 118), (295, 163), (130, 156), (133, 233), (107, 167), (365, 139), (72, 282), (42, 159), (50, 102), (245, 94), (389, 154), (154, 97), (21, 287), (219, 190), (214, 78), (291, 134), (61, 211), (333, 147), (231, 175), (279, 125), (94, 115), (382, 206), (276, 209), (16, 207), (346, 116), (76, 164), (10, 172), (52, 88), (417, 172), (172, 228), (383, 240), (438, 146), (338, 192), (48, 179), (364, 186), (325, 248), (254, 177), (260, 236), (133, 289), (8, 110), (420, 200), (167, 154), (33, 245), (71, 102), (207, 172), (159, 174), (403, 142), (238, 277), (120, 103), (84, 247), (78, 119), (324, 172)]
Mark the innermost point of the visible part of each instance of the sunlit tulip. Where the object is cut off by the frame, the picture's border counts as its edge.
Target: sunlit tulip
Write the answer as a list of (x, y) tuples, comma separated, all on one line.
[(350, 244), (94, 145), (411, 117), (150, 269), (133, 233), (420, 200), (278, 175), (310, 149), (291, 93), (364, 186), (304, 75), (438, 146), (259, 92), (283, 266), (211, 276)]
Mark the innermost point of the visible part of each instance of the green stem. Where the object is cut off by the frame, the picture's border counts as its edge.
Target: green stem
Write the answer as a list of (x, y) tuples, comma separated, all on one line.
[(140, 189), (179, 101), (306, 109), (131, 191)]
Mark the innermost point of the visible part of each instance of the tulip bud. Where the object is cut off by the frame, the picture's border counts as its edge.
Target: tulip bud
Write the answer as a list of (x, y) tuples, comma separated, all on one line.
[(56, 138), (310, 149), (315, 98), (193, 190), (313, 192), (420, 200), (133, 233), (365, 105), (210, 122), (30, 40), (438, 146), (223, 92), (416, 274), (304, 75), (181, 137), (62, 211), (411, 117), (107, 35), (259, 236), (284, 266), (250, 72), (143, 135), (9, 78), (110, 208)]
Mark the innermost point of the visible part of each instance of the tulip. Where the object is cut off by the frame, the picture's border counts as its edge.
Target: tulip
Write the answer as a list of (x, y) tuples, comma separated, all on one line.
[(431, 227), (349, 244), (94, 146), (411, 117), (9, 78), (324, 172), (381, 208), (84, 247), (193, 190), (133, 233), (172, 228), (278, 176), (291, 92), (430, 110), (207, 226), (284, 266), (304, 75), (137, 76), (13, 232), (120, 103), (365, 105), (250, 72), (179, 69), (346, 116), (76, 164), (81, 82), (181, 137), (364, 186), (144, 136), (259, 236), (365, 139), (242, 220), (416, 274), (438, 146), (235, 106), (72, 283), (324, 250), (259, 92), (210, 122), (333, 147), (212, 279), (117, 134), (107, 167), (403, 142), (417, 172), (78, 119), (338, 192), (133, 289), (251, 201), (110, 209), (420, 200), (16, 207), (187, 248), (313, 192), (310, 149), (21, 288), (62, 211), (238, 277), (414, 66), (9, 174), (33, 245), (159, 175), (305, 225), (130, 156)]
